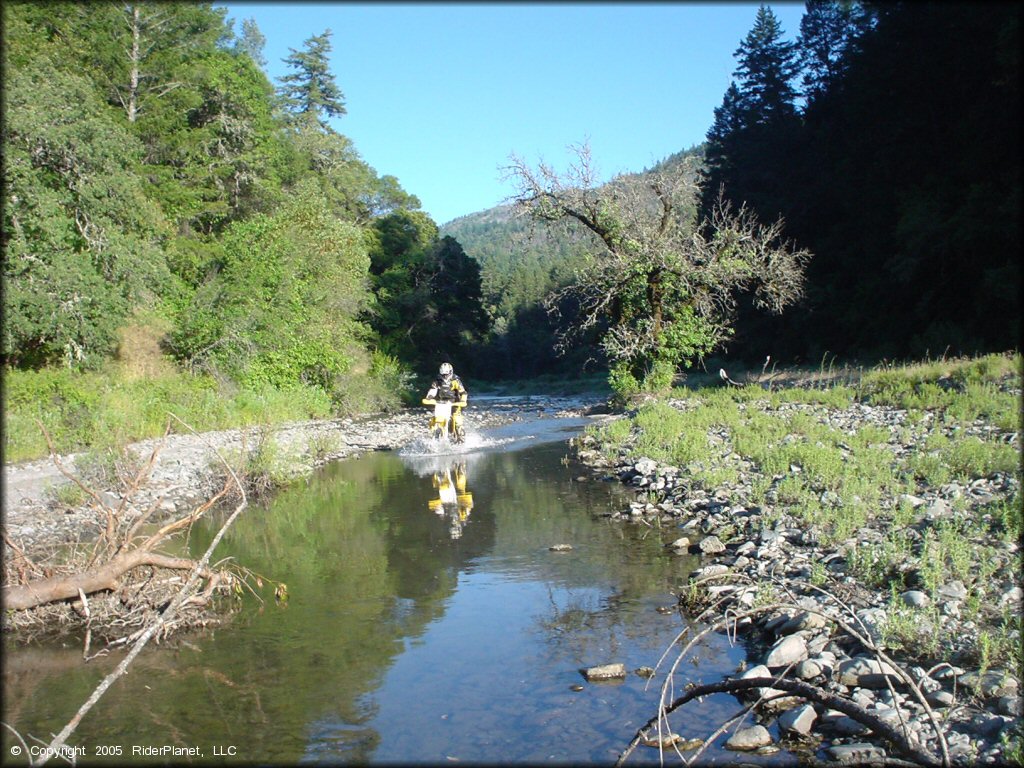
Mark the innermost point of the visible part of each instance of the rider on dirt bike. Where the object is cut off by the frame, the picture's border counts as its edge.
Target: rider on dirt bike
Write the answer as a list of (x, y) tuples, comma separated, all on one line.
[(448, 387)]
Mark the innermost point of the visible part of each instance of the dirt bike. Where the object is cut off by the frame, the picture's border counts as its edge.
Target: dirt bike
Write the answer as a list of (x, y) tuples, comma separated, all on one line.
[(444, 422)]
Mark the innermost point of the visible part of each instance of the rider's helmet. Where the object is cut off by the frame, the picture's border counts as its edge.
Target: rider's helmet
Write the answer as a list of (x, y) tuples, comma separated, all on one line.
[(446, 371)]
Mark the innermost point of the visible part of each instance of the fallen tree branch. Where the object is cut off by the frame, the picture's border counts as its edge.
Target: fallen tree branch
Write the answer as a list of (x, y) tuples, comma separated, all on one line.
[(179, 599), (104, 577)]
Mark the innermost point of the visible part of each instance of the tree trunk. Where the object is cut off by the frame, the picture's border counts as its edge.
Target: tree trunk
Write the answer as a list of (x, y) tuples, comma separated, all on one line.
[(133, 78), (105, 577)]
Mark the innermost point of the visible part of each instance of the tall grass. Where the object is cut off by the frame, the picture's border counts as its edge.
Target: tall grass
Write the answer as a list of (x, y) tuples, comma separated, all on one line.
[(101, 410)]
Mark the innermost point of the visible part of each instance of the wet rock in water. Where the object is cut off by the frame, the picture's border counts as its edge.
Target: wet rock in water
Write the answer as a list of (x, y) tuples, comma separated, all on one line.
[(748, 739), (661, 740), (799, 720), (560, 548), (644, 671), (605, 672), (786, 651)]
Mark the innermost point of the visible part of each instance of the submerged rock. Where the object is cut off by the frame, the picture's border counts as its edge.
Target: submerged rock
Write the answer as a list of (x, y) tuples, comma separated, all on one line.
[(605, 672)]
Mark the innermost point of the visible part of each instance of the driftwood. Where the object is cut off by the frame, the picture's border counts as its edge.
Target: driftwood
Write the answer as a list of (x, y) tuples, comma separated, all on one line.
[(104, 577), (181, 599), (118, 549)]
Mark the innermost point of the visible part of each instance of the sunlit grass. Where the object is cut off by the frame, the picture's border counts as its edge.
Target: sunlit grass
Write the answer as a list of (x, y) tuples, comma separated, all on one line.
[(104, 409)]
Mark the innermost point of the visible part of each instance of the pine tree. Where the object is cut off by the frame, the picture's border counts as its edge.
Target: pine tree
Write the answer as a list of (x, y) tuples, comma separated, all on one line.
[(767, 66), (311, 93), (827, 30)]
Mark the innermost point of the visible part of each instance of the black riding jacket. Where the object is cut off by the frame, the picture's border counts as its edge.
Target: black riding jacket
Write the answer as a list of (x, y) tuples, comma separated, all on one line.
[(453, 391)]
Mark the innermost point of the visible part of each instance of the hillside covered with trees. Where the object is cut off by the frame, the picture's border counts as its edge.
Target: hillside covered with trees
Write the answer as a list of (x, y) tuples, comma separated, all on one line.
[(160, 189), (885, 137)]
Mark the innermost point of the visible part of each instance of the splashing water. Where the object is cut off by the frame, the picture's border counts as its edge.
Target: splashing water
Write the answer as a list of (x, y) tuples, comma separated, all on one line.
[(442, 446)]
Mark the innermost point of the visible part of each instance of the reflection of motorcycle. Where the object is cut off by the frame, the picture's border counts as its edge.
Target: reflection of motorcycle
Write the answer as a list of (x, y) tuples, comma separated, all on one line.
[(453, 499), (447, 419)]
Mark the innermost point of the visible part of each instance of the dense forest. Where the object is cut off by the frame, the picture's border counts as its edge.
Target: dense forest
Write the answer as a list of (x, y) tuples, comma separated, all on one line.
[(160, 189), (886, 139)]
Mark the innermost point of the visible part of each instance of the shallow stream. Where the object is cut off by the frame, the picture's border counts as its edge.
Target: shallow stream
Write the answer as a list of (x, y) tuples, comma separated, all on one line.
[(428, 621)]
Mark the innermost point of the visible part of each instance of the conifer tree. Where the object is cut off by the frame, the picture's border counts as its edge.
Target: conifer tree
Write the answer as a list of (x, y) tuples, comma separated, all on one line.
[(311, 93), (767, 66)]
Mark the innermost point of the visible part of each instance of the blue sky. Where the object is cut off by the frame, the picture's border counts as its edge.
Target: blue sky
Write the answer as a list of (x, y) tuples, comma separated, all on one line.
[(439, 95)]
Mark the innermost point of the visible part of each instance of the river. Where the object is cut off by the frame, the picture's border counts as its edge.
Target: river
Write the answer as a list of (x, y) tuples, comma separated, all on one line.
[(428, 621)]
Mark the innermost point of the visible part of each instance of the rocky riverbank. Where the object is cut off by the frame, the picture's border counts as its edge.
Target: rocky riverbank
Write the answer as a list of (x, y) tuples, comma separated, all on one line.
[(759, 555)]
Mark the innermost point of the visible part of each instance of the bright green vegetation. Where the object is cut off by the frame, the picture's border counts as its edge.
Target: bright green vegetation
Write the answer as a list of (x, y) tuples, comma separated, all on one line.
[(805, 458), (105, 410), (166, 203)]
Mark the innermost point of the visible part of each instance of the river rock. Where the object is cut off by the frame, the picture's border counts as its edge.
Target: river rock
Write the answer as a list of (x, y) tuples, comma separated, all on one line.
[(851, 670), (560, 548), (873, 620), (991, 684), (708, 571), (799, 720), (1010, 706), (915, 598), (1012, 597), (954, 590), (645, 466), (940, 698), (711, 545), (987, 724), (808, 669), (748, 739), (605, 672), (803, 620), (847, 726), (856, 754), (761, 671), (786, 651), (682, 543)]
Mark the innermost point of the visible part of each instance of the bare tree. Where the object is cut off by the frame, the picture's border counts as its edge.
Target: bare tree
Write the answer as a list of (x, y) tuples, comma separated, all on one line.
[(660, 286)]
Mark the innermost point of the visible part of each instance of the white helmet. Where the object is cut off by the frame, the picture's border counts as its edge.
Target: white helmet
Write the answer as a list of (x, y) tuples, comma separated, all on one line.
[(446, 369)]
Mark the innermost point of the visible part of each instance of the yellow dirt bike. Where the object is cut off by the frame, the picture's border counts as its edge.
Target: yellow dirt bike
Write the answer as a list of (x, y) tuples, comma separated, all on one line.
[(447, 419)]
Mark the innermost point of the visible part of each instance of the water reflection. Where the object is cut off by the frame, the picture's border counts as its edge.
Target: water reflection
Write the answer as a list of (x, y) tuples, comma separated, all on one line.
[(451, 499), (404, 639)]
